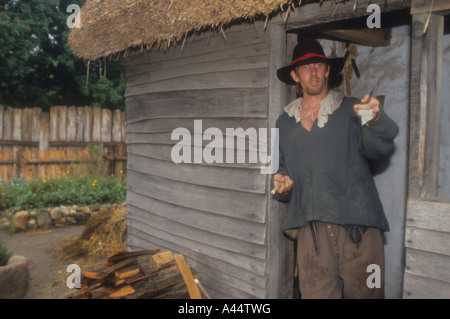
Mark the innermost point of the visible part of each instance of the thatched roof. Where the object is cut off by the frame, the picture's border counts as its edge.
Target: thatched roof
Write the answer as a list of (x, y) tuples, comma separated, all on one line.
[(112, 26)]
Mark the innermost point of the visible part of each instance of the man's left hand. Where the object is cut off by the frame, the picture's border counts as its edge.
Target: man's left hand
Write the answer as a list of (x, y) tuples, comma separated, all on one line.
[(368, 102)]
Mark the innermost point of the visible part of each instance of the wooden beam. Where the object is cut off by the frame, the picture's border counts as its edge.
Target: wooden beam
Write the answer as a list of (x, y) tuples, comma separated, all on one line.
[(426, 6), (328, 11), (370, 37)]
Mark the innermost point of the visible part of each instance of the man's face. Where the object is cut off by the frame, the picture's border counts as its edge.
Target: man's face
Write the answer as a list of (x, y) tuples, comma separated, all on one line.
[(312, 77)]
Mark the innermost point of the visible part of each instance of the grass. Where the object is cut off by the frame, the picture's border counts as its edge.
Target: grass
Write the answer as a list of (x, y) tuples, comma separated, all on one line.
[(4, 254), (43, 193)]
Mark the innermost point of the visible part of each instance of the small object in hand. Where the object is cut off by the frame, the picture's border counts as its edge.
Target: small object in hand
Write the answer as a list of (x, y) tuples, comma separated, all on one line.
[(275, 189), (366, 116)]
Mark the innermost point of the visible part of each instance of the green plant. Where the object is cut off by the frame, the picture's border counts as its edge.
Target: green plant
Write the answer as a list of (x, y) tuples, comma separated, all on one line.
[(83, 190), (4, 254)]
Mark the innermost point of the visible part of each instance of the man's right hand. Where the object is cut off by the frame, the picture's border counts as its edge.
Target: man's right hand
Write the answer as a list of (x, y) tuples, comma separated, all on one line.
[(282, 183)]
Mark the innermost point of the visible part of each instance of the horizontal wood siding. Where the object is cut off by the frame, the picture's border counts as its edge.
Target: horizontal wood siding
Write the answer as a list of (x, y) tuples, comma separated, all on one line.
[(214, 214), (427, 243)]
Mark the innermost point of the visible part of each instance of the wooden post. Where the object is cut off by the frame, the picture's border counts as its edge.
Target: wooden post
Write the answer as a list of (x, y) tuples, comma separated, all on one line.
[(1, 123), (425, 108)]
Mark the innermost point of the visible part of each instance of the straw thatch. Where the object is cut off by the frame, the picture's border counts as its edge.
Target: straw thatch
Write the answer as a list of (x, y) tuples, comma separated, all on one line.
[(112, 26)]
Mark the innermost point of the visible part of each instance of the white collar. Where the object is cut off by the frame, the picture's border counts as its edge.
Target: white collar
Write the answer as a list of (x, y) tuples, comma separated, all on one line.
[(327, 106)]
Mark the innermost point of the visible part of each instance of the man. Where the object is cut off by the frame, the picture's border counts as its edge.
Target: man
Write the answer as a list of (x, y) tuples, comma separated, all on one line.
[(334, 207)]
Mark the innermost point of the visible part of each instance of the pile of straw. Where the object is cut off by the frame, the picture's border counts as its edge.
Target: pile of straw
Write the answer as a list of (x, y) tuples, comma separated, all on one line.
[(104, 233)]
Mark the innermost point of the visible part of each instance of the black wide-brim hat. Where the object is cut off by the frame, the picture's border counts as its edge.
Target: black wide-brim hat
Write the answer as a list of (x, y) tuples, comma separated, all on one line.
[(305, 52)]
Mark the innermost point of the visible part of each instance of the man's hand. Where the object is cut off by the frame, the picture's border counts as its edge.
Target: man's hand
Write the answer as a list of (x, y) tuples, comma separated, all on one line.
[(282, 183), (368, 103)]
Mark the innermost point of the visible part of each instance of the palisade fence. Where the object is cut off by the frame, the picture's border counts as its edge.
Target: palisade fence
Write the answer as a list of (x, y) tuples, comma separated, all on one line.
[(61, 142)]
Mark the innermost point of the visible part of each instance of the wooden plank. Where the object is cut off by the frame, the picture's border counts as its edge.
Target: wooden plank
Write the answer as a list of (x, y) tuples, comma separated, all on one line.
[(17, 124), (425, 106), (122, 292), (426, 6), (44, 130), (210, 42), (53, 123), (427, 264), (203, 220), (167, 125), (62, 123), (222, 202), (194, 292), (195, 234), (428, 240), (199, 69), (431, 215), (224, 103), (26, 124), (88, 124), (417, 287), (202, 250), (7, 124), (96, 124), (117, 126), (230, 178), (71, 123), (80, 123), (369, 37), (147, 62), (163, 153), (35, 123), (328, 11), (256, 78), (126, 273), (2, 109), (124, 126), (255, 138), (163, 258), (106, 125), (432, 73)]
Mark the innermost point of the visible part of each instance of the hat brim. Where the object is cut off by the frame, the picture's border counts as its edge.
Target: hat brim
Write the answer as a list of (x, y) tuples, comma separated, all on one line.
[(336, 66)]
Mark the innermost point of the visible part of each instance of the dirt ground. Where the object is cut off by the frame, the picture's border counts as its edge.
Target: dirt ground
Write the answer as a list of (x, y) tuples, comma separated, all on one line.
[(47, 273)]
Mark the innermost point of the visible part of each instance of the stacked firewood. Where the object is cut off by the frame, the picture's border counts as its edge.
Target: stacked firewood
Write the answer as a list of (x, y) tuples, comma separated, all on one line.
[(140, 274)]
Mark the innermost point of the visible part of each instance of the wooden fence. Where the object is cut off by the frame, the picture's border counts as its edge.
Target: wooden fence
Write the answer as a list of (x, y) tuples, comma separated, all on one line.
[(64, 141)]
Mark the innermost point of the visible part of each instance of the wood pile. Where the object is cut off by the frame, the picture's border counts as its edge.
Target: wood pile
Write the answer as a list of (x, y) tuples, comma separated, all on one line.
[(145, 274)]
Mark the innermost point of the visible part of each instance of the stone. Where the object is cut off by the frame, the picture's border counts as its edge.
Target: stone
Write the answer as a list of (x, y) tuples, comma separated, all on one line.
[(64, 211), (94, 208), (32, 224), (43, 218), (85, 210), (72, 212), (55, 213), (19, 221), (14, 278), (81, 218), (33, 214)]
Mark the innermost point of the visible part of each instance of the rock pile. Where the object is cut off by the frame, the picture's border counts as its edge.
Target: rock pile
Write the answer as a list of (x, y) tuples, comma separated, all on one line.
[(24, 220)]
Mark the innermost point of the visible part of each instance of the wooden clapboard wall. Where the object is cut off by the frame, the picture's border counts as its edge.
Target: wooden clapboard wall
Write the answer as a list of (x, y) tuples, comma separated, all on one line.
[(427, 242), (427, 234), (214, 214)]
